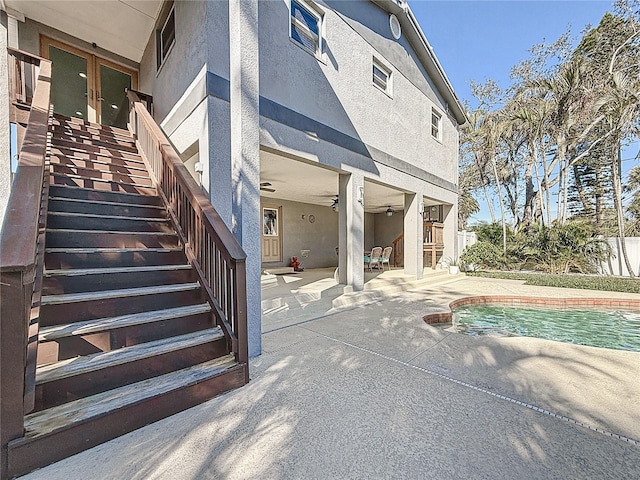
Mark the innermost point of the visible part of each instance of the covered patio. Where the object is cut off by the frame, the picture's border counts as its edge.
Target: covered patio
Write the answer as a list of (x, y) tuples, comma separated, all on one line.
[(289, 299)]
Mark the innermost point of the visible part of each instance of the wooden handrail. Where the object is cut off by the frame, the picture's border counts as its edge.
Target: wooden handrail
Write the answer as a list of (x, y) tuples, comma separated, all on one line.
[(21, 239), (218, 258)]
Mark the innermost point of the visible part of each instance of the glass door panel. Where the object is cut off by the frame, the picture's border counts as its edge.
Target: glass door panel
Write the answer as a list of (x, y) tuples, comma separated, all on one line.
[(112, 100), (69, 83)]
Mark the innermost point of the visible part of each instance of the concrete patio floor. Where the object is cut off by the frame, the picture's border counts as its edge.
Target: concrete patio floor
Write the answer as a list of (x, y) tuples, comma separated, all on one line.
[(370, 391)]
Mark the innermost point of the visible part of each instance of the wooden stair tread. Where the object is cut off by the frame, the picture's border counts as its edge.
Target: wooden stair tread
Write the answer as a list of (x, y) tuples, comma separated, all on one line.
[(94, 140), (103, 324), (97, 171), (138, 165), (95, 179), (135, 197), (86, 142), (97, 361), (105, 202), (70, 272), (111, 250), (124, 292), (109, 217), (84, 409), (114, 232), (59, 119), (91, 129), (65, 148)]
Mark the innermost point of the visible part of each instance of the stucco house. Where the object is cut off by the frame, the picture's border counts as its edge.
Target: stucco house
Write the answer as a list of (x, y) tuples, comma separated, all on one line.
[(316, 129)]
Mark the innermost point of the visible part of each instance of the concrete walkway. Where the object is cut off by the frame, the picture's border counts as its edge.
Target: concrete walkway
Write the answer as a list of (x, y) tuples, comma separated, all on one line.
[(373, 392)]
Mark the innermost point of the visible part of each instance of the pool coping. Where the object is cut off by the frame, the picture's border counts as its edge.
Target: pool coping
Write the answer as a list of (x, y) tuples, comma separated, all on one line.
[(518, 300)]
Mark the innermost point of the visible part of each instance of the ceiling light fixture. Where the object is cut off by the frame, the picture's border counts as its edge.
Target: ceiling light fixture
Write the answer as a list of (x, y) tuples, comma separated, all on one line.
[(82, 74), (389, 211)]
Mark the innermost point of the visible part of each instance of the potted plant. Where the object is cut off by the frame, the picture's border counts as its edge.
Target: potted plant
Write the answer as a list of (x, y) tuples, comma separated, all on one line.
[(454, 266)]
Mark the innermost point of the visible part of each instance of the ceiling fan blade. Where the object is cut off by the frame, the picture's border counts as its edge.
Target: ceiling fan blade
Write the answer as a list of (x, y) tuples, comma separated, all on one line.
[(270, 190)]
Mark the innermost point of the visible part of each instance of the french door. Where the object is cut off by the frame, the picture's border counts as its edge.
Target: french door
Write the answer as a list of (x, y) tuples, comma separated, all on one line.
[(86, 86)]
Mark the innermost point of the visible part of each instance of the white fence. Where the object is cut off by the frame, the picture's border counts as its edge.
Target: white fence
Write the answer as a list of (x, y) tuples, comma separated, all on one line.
[(616, 265), (465, 239)]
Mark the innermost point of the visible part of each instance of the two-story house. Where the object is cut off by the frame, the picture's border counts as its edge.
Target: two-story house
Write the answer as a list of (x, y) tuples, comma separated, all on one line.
[(316, 129)]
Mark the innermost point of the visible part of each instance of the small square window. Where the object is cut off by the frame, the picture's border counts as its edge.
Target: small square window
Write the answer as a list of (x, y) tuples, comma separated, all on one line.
[(381, 76), (436, 124), (166, 37), (305, 27)]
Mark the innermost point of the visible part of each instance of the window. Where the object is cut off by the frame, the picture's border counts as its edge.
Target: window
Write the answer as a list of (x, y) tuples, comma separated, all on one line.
[(381, 76), (166, 37), (305, 27), (436, 124)]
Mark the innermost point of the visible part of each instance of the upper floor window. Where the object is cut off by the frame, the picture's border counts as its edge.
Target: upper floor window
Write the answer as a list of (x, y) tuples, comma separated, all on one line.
[(436, 124), (381, 76), (306, 27), (166, 36)]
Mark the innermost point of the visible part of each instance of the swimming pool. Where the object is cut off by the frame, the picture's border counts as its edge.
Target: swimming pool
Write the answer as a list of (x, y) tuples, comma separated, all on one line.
[(616, 329)]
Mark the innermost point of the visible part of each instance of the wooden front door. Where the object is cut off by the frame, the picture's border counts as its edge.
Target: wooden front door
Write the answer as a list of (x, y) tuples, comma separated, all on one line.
[(271, 235), (86, 86)]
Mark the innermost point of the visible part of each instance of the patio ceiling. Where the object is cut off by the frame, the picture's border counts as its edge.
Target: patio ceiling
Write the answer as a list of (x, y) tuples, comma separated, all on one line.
[(120, 26), (298, 181)]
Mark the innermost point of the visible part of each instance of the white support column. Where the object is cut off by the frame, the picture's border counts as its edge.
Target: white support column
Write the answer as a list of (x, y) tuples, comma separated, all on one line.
[(245, 151), (413, 236), (5, 137), (450, 231), (351, 232)]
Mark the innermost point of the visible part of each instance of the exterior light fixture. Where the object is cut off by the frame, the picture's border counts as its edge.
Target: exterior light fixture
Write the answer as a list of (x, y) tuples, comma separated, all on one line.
[(335, 206), (114, 106), (389, 211), (421, 208), (82, 74), (360, 195)]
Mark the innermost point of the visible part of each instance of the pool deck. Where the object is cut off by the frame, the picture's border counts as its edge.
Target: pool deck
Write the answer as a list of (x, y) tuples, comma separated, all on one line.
[(357, 385)]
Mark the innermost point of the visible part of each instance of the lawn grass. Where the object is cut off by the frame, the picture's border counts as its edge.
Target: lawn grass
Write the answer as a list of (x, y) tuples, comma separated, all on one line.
[(587, 282)]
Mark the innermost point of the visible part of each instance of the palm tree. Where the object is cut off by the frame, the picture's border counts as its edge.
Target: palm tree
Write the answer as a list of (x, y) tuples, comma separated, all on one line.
[(620, 105)]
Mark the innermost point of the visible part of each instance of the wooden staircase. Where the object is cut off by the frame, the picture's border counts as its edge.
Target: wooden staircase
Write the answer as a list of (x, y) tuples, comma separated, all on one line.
[(127, 335)]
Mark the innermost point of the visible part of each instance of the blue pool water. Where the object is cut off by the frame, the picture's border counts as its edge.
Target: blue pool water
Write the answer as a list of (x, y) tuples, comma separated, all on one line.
[(619, 330)]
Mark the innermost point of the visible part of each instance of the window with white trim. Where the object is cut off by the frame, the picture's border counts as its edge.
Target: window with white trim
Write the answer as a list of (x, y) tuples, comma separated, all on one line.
[(166, 37), (381, 76), (306, 27), (436, 124)]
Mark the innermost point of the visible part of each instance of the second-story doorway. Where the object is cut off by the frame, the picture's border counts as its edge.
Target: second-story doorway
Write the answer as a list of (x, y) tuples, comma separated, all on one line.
[(86, 86)]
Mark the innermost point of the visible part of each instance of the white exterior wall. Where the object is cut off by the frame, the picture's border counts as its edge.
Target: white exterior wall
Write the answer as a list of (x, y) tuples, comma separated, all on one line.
[(617, 265), (338, 91), (319, 238), (202, 40)]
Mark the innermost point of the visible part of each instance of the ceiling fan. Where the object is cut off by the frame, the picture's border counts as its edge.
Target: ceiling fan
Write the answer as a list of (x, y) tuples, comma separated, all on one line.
[(264, 186)]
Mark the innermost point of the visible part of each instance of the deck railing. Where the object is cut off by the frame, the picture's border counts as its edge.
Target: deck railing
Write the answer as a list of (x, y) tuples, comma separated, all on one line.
[(210, 246), (22, 249)]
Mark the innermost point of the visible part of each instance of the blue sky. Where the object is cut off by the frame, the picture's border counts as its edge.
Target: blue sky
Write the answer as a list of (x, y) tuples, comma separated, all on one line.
[(478, 39), (481, 39)]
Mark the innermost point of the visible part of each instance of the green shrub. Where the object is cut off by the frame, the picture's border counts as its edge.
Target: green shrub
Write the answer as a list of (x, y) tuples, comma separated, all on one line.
[(586, 282), (482, 255), (492, 233)]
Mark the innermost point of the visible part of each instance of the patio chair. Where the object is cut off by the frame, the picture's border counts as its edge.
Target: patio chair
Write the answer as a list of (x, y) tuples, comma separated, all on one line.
[(373, 259), (385, 257)]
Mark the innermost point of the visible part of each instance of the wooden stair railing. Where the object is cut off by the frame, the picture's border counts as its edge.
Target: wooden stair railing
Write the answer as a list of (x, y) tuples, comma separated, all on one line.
[(211, 247), (21, 250), (433, 238), (398, 251)]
